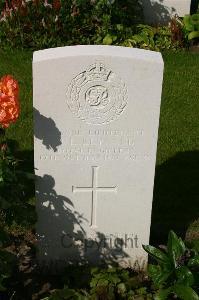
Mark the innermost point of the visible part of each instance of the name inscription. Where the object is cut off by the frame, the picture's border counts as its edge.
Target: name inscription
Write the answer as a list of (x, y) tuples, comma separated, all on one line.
[(91, 145)]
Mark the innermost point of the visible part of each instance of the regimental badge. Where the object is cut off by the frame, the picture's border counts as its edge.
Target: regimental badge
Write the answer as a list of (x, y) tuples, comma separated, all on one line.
[(97, 95)]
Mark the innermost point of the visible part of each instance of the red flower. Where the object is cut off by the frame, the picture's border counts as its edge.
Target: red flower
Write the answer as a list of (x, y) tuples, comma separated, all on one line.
[(56, 4), (9, 104), (16, 4)]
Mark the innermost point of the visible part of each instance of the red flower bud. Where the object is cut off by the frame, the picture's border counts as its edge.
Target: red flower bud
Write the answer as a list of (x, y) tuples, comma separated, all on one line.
[(9, 104)]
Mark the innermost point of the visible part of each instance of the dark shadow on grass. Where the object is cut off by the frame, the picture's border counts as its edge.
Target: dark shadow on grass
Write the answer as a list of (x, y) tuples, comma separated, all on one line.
[(176, 196)]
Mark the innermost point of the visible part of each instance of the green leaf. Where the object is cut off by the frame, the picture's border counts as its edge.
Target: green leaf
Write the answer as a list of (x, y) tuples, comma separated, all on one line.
[(144, 37), (175, 247), (107, 40), (195, 245), (114, 38), (162, 294), (103, 282), (95, 271), (158, 275), (114, 279), (119, 27), (159, 255), (137, 38), (94, 282), (185, 292), (185, 276), (141, 291), (4, 204), (194, 262), (188, 24), (195, 19), (121, 288), (193, 35)]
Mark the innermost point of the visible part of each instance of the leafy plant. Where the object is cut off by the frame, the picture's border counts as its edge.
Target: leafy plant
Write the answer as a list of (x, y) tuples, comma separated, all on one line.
[(61, 22), (107, 283), (152, 38), (176, 271), (191, 26), (117, 283), (107, 22)]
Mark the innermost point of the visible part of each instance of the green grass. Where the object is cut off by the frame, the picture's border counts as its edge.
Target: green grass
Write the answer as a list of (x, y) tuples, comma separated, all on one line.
[(176, 191), (179, 126)]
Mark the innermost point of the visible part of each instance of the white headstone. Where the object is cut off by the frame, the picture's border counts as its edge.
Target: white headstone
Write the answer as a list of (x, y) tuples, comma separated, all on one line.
[(161, 11), (96, 126)]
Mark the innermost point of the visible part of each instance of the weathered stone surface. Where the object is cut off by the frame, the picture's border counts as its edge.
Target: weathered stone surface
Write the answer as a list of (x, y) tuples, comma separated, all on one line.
[(96, 128)]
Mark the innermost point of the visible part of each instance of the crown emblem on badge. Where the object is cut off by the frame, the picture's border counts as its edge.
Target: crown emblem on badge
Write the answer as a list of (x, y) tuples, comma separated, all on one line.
[(98, 71)]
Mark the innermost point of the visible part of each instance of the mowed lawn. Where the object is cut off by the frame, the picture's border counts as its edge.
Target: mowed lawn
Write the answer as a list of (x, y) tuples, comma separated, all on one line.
[(176, 191)]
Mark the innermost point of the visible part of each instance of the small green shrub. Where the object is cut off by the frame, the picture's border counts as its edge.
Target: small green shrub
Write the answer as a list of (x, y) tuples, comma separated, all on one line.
[(158, 38), (177, 270), (108, 283), (191, 27)]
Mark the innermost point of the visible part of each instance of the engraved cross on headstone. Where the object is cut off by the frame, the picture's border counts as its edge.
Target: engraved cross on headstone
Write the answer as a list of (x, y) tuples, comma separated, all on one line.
[(94, 189)]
